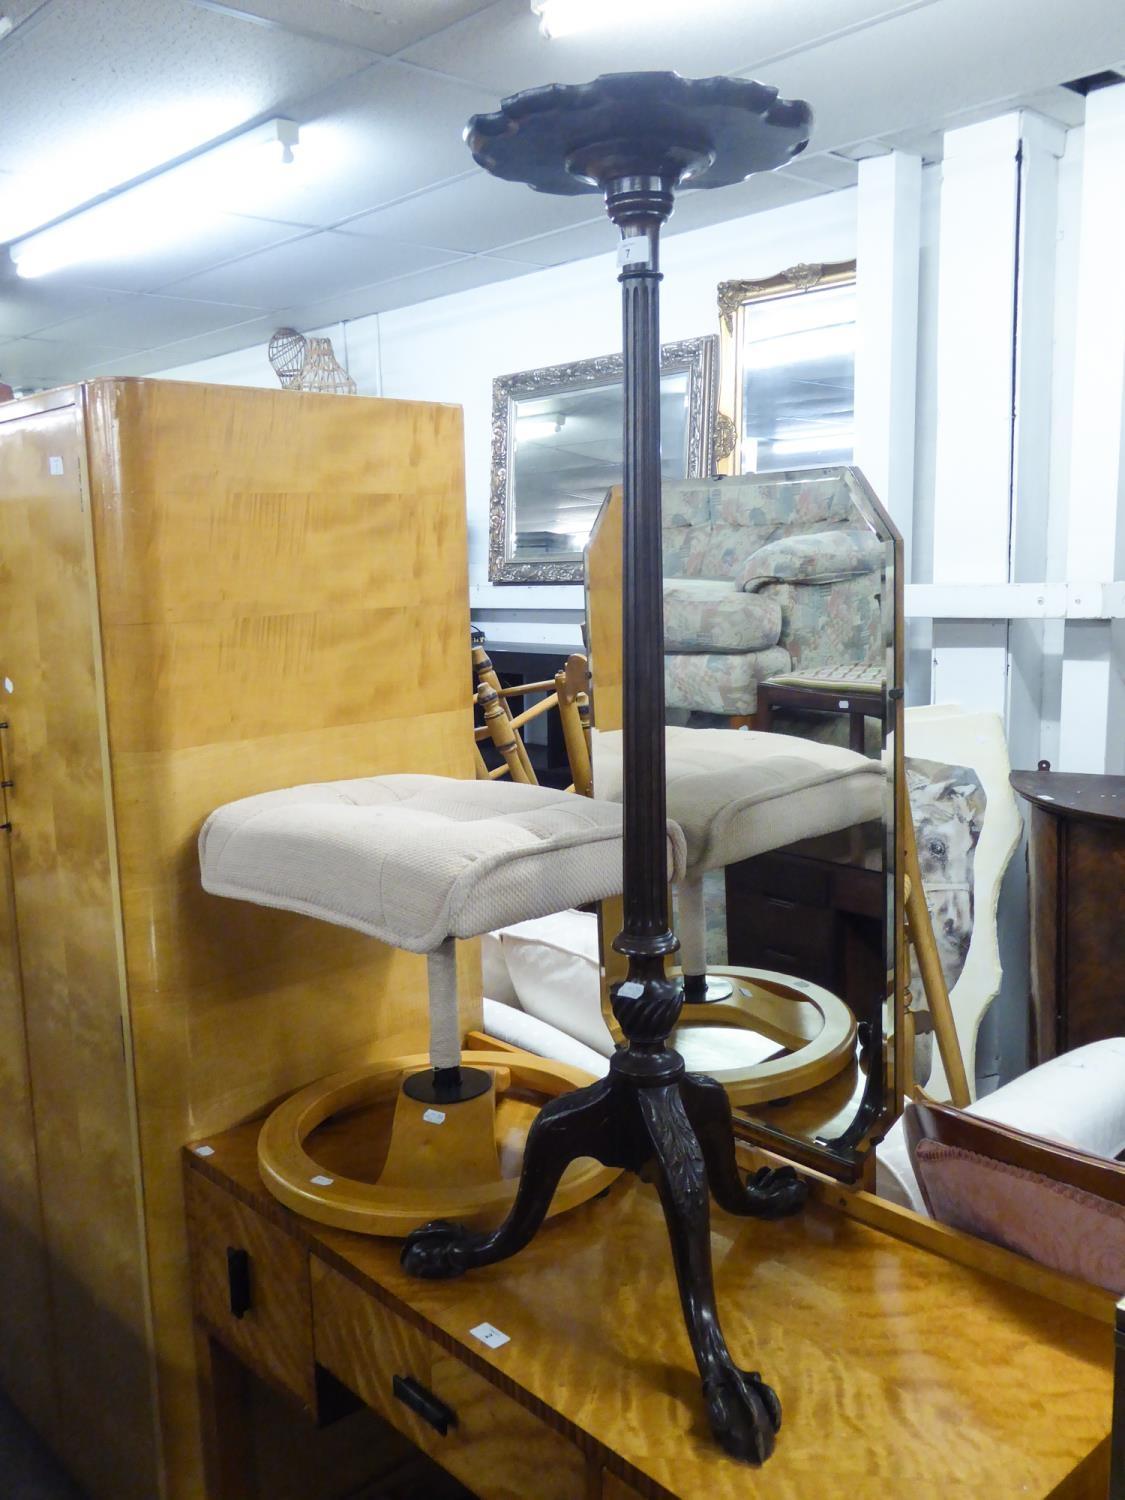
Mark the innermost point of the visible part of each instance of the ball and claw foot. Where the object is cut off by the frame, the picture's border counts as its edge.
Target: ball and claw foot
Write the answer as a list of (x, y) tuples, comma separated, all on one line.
[(776, 1192), (744, 1413), (436, 1252)]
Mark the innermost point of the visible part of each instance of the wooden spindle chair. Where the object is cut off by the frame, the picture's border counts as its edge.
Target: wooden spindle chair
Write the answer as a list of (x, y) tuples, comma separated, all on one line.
[(566, 691)]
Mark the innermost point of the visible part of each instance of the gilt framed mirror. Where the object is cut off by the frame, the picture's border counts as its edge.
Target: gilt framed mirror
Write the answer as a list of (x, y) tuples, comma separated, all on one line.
[(787, 370), (557, 450)]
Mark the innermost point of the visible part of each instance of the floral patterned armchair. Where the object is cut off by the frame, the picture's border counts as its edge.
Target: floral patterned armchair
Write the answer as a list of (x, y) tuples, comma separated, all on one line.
[(764, 575)]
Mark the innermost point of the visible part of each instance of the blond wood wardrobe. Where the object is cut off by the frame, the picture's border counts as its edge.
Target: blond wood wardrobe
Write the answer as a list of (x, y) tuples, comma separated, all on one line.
[(204, 592)]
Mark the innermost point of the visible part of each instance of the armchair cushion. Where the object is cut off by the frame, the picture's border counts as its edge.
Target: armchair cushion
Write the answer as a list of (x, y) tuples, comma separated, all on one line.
[(532, 1035), (826, 623), (823, 557), (720, 683), (555, 964), (712, 615)]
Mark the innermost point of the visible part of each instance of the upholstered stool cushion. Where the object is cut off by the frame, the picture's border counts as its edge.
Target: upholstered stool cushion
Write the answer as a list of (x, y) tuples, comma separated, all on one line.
[(737, 793), (412, 860)]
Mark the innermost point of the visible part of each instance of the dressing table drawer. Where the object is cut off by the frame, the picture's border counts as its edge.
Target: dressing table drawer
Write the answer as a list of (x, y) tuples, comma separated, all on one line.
[(252, 1288), (495, 1446)]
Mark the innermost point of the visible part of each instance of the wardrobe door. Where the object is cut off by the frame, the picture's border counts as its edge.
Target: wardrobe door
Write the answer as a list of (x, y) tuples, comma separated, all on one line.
[(68, 932), (26, 1361)]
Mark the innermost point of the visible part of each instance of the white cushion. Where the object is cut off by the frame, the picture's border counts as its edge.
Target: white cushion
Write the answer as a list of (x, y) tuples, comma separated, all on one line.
[(555, 966), (738, 793), (521, 1030), (412, 860), (1076, 1099), (495, 979)]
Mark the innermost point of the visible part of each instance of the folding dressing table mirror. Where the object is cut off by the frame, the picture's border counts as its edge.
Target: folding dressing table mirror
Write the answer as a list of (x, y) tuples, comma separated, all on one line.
[(782, 600)]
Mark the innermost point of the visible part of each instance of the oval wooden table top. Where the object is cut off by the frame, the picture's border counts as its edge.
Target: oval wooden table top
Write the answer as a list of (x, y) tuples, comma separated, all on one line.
[(901, 1373)]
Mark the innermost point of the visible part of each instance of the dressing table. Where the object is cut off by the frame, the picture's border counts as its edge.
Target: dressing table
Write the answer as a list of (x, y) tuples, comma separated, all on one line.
[(917, 1362)]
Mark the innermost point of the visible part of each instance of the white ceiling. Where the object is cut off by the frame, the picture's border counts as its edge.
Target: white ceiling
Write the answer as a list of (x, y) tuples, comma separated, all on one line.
[(385, 207)]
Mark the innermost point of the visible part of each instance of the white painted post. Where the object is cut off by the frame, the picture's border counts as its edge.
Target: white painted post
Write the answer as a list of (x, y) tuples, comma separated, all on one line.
[(1092, 729), (1041, 146), (995, 279), (977, 257), (976, 300), (888, 243), (995, 309)]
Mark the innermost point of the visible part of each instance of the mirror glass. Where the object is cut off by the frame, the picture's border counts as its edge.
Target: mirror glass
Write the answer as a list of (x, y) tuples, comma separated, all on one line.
[(557, 450), (798, 386), (788, 369), (780, 677)]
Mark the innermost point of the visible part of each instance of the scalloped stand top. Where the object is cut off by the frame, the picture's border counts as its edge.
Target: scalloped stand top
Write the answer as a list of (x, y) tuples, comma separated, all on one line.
[(695, 132)]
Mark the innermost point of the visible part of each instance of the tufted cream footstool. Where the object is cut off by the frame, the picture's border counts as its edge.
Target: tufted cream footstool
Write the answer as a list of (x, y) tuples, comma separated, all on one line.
[(417, 862)]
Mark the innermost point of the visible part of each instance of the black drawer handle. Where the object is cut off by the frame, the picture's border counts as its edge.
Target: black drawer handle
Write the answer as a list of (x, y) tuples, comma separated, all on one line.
[(411, 1393), (238, 1281)]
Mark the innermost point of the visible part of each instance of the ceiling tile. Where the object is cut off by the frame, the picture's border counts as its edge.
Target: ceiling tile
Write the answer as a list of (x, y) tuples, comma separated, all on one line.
[(180, 352), (300, 270), (502, 48), (596, 238), (98, 91), (29, 306), (127, 320), (918, 72), (477, 213), (769, 190), (821, 170), (383, 25), (369, 141), (403, 291), (34, 362)]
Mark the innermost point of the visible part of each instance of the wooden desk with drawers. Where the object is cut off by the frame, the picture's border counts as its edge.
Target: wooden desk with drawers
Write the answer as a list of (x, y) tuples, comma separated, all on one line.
[(942, 1368)]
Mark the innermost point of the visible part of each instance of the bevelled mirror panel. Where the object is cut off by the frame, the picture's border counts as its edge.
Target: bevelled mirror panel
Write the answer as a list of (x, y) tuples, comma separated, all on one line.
[(782, 674)]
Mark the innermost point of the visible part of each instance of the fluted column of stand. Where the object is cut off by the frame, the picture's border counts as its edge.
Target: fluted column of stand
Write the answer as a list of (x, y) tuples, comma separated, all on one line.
[(646, 1003)]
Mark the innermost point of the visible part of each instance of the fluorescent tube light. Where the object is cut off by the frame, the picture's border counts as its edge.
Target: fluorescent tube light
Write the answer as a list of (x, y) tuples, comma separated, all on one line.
[(533, 429), (814, 441), (173, 205)]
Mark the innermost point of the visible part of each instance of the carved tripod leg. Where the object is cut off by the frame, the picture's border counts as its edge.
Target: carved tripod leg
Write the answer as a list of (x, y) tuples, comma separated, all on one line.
[(575, 1124), (771, 1192), (743, 1411)]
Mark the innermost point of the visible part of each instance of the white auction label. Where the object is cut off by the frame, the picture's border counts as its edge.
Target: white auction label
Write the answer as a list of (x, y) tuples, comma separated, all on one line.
[(633, 252), (54, 464), (489, 1335), (434, 1116), (321, 1181), (204, 1150)]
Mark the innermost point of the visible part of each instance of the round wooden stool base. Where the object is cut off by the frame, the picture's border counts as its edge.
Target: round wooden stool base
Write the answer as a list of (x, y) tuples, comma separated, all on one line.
[(815, 1027), (440, 1162)]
